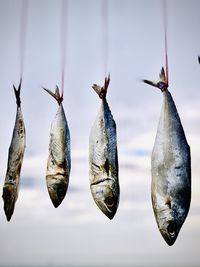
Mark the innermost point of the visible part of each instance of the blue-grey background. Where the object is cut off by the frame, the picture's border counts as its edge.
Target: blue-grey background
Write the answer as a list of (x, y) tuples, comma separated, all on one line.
[(77, 233)]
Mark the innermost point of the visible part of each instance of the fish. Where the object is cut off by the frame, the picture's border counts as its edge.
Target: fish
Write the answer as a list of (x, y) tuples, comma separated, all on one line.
[(15, 159), (103, 157), (59, 158), (170, 167)]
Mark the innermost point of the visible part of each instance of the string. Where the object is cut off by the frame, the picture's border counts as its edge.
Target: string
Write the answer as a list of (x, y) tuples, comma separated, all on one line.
[(22, 37), (165, 31), (63, 43), (105, 35)]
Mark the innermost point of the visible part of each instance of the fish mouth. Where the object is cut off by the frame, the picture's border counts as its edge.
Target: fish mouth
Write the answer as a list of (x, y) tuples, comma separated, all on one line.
[(9, 196), (111, 204), (171, 233), (106, 196), (108, 206)]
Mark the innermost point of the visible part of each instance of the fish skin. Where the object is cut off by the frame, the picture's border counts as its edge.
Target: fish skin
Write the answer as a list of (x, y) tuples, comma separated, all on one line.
[(15, 159), (59, 159), (103, 162), (171, 172)]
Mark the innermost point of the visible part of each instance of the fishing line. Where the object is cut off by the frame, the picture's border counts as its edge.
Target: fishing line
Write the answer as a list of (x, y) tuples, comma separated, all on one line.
[(63, 42), (22, 37), (164, 6), (105, 35)]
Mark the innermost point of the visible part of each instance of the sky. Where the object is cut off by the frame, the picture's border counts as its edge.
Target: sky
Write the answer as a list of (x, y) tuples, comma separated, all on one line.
[(77, 233)]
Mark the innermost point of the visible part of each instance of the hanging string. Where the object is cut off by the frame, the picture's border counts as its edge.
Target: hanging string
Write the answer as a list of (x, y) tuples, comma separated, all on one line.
[(22, 37), (63, 43), (105, 35), (165, 31)]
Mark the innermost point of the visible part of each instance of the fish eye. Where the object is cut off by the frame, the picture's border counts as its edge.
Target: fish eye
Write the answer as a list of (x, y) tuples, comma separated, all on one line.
[(171, 229), (109, 202)]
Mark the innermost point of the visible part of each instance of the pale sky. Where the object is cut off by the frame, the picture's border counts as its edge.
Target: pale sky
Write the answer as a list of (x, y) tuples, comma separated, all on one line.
[(77, 233)]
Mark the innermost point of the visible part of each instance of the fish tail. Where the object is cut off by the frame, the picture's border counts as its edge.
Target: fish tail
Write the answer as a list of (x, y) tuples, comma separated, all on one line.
[(17, 93), (102, 90), (162, 84), (56, 95)]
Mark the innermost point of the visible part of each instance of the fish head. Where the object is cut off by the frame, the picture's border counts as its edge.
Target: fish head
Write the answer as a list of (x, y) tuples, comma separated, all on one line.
[(106, 196), (168, 225), (170, 231), (57, 187), (9, 196)]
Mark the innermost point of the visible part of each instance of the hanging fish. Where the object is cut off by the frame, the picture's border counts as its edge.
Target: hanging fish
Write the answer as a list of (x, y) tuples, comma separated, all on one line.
[(15, 159), (59, 160), (170, 167), (103, 159), (199, 59)]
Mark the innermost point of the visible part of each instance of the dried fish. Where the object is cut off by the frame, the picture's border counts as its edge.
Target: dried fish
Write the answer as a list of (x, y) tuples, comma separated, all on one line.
[(103, 158), (15, 159), (170, 167), (59, 160)]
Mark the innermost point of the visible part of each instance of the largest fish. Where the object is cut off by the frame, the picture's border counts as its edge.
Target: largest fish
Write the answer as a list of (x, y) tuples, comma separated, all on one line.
[(170, 167), (59, 160), (15, 159), (103, 158)]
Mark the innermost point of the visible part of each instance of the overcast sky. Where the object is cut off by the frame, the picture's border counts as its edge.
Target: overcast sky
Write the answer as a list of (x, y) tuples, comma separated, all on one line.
[(78, 233)]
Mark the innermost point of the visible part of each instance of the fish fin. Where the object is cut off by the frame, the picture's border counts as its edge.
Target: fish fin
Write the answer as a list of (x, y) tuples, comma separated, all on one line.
[(102, 91), (150, 83), (162, 75), (55, 95), (97, 88), (168, 201), (17, 93), (106, 166), (199, 59)]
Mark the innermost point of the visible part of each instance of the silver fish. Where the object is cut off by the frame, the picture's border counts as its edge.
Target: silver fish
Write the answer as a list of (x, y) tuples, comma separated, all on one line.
[(15, 159), (59, 160), (170, 168), (103, 158)]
